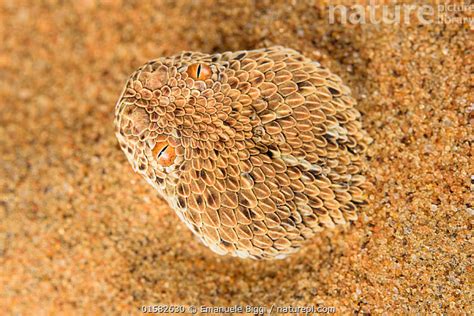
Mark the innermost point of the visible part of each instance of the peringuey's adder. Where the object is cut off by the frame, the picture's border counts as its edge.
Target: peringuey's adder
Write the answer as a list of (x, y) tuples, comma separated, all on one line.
[(256, 150)]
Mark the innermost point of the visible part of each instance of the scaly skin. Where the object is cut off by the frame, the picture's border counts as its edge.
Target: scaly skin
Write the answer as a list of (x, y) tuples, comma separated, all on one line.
[(257, 153)]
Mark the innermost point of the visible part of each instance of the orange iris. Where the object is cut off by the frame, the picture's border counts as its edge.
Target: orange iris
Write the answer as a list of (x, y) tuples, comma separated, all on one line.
[(199, 71), (164, 153)]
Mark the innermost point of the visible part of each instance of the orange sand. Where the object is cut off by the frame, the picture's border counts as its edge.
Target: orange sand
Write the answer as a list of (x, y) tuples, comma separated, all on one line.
[(79, 231)]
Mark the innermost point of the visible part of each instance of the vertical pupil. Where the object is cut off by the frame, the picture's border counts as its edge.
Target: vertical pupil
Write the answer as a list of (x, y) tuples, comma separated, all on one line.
[(162, 151), (198, 71)]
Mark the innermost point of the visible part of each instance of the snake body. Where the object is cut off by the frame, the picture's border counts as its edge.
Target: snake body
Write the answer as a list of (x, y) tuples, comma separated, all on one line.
[(255, 151)]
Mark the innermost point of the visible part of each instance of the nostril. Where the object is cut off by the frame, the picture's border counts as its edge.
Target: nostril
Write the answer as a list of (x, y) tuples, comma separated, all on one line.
[(139, 119)]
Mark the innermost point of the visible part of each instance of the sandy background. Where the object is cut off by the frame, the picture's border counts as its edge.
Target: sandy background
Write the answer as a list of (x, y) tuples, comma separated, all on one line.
[(80, 232)]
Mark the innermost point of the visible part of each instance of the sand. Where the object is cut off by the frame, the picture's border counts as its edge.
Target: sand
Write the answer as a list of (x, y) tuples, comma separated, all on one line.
[(80, 232)]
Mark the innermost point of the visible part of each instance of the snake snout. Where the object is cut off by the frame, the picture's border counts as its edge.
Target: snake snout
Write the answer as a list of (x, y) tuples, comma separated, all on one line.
[(137, 119), (136, 122)]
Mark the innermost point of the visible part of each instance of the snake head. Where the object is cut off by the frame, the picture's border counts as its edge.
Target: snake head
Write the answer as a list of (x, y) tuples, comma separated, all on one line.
[(167, 117), (255, 151)]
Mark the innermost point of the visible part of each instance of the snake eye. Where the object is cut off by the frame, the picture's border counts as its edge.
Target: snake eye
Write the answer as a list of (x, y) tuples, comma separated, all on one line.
[(164, 153), (199, 71)]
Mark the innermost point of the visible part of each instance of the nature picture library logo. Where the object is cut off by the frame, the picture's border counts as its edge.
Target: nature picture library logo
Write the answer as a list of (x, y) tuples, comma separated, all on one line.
[(401, 13)]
